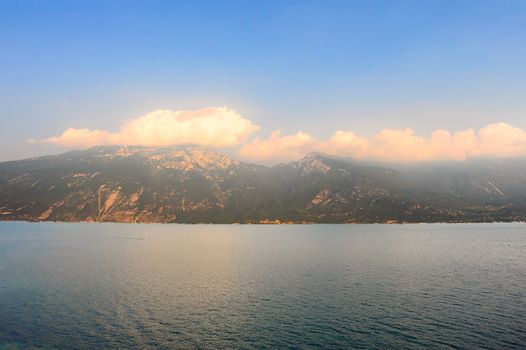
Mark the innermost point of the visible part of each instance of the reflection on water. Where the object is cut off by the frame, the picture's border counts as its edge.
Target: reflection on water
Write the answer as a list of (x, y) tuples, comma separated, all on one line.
[(87, 286)]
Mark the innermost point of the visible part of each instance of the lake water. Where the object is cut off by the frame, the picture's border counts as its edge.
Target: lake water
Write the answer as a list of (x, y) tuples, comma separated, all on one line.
[(92, 286)]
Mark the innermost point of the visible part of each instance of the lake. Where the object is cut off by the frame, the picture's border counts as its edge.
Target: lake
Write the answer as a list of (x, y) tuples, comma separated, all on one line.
[(93, 286)]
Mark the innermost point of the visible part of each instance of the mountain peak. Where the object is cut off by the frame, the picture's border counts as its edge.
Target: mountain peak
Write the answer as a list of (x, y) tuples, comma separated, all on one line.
[(313, 162), (315, 155)]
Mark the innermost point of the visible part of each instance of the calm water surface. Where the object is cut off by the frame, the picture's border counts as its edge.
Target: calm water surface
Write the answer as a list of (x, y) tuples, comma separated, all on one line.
[(92, 286)]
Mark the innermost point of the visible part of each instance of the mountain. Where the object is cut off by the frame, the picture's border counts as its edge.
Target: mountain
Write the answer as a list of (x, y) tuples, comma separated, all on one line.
[(188, 184)]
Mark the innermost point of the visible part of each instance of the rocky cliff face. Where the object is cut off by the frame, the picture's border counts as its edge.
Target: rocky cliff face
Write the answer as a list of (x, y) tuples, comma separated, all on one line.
[(189, 184)]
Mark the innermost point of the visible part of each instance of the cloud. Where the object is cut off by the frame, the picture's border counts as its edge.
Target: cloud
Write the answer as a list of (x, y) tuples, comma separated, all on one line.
[(278, 148), (501, 140), (223, 127), (497, 140), (215, 127)]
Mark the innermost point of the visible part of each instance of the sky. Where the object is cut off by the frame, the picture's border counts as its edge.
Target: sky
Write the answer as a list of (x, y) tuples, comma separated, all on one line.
[(266, 81)]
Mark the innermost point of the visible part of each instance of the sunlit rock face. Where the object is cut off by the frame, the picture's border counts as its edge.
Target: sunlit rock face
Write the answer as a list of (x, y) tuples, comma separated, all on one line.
[(189, 184)]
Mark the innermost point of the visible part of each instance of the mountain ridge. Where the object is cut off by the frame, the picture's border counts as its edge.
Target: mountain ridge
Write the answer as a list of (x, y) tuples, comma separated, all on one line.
[(188, 184)]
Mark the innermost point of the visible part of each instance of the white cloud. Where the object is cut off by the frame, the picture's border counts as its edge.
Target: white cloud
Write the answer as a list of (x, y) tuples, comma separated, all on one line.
[(396, 145), (215, 127), (501, 140), (223, 127), (278, 148)]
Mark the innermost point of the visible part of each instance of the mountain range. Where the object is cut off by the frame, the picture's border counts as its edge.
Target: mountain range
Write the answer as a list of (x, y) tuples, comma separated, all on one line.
[(188, 184)]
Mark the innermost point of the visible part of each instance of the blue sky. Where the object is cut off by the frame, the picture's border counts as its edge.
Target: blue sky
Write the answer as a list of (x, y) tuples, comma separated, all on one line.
[(311, 66)]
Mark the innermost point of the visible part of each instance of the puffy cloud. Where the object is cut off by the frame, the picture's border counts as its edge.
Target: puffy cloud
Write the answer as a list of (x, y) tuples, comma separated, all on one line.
[(404, 145), (279, 148), (223, 127), (215, 127), (84, 138), (501, 140), (396, 145)]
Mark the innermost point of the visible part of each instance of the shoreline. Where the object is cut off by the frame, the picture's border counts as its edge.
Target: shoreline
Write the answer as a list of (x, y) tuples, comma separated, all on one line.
[(264, 224)]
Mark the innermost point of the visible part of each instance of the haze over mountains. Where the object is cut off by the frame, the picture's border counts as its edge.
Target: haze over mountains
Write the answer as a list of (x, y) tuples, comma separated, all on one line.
[(188, 184)]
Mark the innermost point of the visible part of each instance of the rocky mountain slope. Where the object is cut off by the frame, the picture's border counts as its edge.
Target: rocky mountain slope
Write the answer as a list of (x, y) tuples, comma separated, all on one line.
[(191, 185)]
